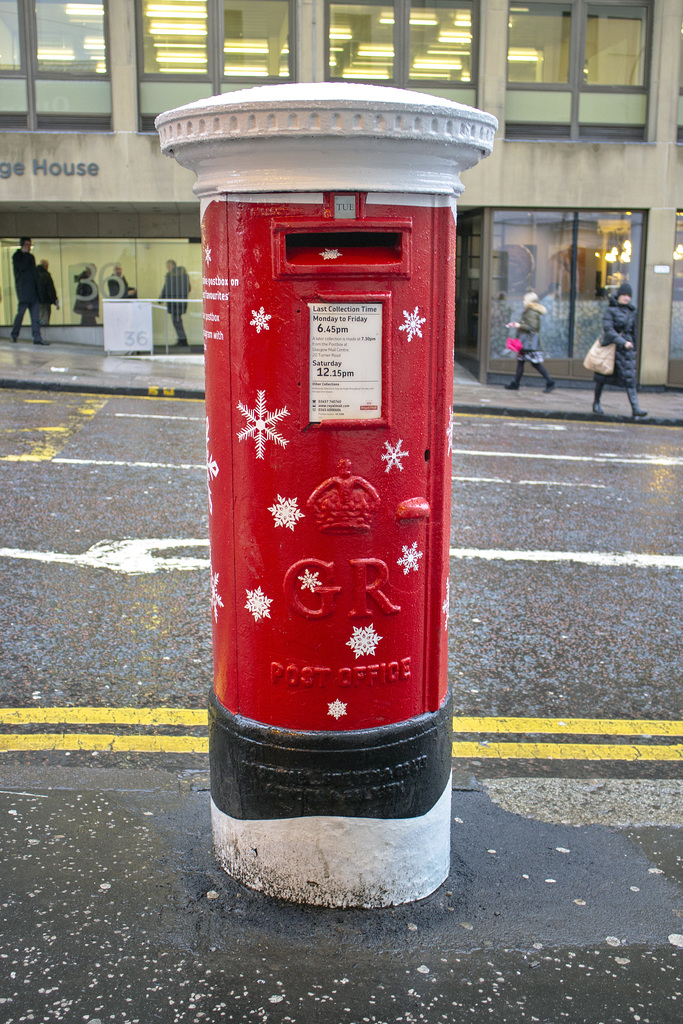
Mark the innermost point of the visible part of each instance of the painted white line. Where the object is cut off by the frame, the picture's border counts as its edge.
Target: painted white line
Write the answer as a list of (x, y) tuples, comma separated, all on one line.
[(605, 559), (133, 465), (534, 483), (155, 416), (130, 557), (648, 460), (33, 796)]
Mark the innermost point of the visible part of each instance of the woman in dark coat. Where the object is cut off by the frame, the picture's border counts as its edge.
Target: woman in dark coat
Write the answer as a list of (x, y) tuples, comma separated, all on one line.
[(620, 327)]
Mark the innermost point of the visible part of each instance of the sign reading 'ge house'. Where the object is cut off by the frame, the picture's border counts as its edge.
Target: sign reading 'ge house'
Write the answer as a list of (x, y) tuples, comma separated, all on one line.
[(46, 169)]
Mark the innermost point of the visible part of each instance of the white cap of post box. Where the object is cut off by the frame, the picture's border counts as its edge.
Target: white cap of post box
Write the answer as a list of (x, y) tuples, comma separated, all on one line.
[(326, 136)]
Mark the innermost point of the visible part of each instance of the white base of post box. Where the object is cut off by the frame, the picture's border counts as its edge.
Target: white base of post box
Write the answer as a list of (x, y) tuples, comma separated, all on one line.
[(338, 861)]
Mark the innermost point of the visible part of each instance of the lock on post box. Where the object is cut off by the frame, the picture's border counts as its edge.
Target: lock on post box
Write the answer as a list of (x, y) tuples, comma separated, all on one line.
[(328, 323)]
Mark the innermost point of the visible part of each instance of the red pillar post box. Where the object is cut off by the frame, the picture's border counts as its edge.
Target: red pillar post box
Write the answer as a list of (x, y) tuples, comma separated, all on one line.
[(328, 233)]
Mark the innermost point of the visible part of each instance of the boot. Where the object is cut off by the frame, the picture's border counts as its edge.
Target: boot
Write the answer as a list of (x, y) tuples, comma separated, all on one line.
[(514, 384), (638, 413), (597, 408)]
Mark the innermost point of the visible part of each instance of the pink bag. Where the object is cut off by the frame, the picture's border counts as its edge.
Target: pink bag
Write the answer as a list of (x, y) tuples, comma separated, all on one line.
[(514, 344)]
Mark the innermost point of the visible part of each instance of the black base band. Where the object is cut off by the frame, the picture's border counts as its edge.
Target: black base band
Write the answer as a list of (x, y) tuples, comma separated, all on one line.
[(262, 772)]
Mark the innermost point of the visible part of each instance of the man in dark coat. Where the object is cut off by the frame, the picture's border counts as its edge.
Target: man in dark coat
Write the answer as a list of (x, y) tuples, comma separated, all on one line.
[(26, 280), (47, 293), (176, 287), (620, 328)]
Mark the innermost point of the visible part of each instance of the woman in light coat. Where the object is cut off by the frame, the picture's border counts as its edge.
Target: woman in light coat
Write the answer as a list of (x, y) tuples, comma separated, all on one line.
[(529, 333)]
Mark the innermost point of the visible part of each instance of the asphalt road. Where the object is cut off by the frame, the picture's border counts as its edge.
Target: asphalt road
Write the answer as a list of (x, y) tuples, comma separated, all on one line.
[(564, 899)]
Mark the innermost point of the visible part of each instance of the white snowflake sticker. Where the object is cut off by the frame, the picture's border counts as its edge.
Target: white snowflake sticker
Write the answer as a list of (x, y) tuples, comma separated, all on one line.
[(413, 323), (330, 254), (411, 558), (337, 708), (364, 640), (260, 424), (393, 456), (446, 606), (260, 321), (449, 433), (310, 580), (207, 255), (286, 512), (258, 604), (216, 599), (211, 468)]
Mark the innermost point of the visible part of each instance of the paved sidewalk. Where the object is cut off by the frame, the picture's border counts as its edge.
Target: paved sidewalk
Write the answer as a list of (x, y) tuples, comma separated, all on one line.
[(180, 374)]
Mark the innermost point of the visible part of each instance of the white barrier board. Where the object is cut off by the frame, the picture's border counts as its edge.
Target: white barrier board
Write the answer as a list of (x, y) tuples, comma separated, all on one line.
[(127, 326)]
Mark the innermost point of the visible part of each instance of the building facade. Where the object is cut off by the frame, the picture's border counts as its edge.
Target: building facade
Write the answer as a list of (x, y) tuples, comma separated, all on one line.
[(583, 190)]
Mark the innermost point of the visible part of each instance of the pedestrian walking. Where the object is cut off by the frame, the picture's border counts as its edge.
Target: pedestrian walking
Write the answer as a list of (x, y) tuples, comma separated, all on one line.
[(529, 333), (26, 281), (176, 288), (87, 302), (47, 293), (619, 327)]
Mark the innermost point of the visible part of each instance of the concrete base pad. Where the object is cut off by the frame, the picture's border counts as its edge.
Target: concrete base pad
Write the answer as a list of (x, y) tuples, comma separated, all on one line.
[(338, 861)]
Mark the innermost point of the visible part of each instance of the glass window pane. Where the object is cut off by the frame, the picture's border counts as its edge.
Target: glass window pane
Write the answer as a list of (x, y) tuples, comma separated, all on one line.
[(174, 34), (256, 43), (615, 46), (532, 251), (362, 41), (440, 41), (10, 49), (70, 37), (607, 255), (538, 43), (676, 351)]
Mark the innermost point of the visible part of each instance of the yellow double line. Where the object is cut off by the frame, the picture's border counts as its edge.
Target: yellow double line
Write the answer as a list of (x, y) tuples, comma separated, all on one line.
[(484, 731), (116, 742), (486, 747)]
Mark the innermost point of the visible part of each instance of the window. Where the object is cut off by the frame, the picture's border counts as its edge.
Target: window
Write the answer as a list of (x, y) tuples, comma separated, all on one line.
[(427, 46), (574, 260), (191, 49), (676, 349), (53, 66), (577, 70)]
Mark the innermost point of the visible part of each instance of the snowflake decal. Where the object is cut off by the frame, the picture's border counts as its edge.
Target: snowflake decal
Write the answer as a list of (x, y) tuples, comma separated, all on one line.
[(260, 321), (258, 604), (337, 708), (364, 640), (330, 254), (207, 255), (216, 599), (393, 456), (445, 607), (411, 558), (286, 513), (310, 580), (260, 424), (211, 468), (449, 433), (412, 323)]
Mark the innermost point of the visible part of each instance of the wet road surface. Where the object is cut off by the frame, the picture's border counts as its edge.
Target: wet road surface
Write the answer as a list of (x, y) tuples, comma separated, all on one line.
[(564, 900)]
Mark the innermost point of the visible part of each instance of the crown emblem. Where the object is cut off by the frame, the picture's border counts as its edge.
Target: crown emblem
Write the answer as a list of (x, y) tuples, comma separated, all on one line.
[(344, 503)]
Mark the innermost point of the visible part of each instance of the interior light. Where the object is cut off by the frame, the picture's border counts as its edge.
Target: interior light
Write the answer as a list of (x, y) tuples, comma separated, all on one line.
[(232, 47), (181, 58), (455, 37), (386, 21), (678, 252), (157, 10), (56, 55), (423, 20), (366, 73), (437, 65), (177, 30), (338, 34), (253, 70), (85, 10), (523, 56)]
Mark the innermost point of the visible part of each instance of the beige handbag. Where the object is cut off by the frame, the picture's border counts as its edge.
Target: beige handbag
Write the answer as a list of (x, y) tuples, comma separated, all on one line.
[(600, 358)]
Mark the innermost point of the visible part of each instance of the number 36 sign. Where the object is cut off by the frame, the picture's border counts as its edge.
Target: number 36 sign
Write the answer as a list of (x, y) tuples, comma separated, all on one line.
[(127, 326)]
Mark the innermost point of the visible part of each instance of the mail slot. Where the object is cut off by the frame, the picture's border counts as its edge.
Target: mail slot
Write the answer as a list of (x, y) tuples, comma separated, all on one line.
[(328, 324)]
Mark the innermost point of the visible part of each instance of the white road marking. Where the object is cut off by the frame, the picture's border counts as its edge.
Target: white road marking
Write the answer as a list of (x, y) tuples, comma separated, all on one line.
[(604, 457), (533, 483), (131, 557), (156, 416), (131, 465), (601, 558)]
